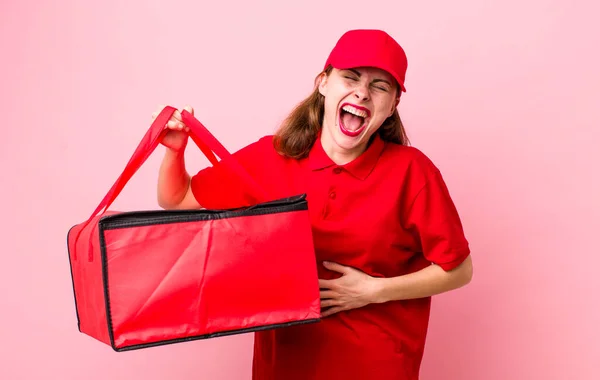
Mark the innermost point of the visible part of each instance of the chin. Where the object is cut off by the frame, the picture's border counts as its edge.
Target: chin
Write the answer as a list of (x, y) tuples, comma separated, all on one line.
[(349, 143)]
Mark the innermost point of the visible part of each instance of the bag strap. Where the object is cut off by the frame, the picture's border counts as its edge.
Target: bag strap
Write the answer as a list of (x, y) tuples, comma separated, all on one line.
[(201, 137)]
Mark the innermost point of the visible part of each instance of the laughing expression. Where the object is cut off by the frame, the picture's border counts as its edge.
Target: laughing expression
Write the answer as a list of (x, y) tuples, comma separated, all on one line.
[(357, 102)]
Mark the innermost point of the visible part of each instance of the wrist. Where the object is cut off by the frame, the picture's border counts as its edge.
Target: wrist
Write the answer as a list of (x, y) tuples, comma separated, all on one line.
[(379, 292), (175, 153)]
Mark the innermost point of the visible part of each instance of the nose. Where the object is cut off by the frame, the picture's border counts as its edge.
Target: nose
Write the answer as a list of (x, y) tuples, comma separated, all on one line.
[(362, 92)]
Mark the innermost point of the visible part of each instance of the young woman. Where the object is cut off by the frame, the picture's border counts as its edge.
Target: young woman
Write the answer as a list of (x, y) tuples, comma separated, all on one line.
[(387, 234)]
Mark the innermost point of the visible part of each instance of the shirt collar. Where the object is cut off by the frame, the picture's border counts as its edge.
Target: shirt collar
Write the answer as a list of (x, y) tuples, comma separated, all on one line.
[(360, 167)]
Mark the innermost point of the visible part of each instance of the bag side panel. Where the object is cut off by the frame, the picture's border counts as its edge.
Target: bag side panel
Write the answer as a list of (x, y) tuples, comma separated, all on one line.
[(261, 271), (87, 280), (154, 275), (173, 281)]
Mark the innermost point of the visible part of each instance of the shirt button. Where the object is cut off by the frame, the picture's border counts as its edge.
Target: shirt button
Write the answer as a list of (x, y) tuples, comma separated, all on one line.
[(337, 170), (332, 195)]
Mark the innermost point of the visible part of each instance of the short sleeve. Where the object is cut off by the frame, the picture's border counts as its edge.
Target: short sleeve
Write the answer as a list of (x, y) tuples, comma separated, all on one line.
[(219, 187), (436, 224)]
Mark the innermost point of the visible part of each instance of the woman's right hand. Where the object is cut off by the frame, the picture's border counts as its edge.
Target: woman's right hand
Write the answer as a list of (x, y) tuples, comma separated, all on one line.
[(177, 135)]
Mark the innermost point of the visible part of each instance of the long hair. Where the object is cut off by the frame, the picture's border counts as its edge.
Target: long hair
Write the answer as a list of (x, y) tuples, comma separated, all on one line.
[(298, 132)]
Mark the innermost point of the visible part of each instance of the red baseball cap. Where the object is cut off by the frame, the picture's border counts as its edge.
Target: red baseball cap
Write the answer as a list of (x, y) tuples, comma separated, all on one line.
[(369, 47)]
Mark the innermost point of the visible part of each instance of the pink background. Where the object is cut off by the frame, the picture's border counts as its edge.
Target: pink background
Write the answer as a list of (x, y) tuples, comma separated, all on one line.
[(502, 95)]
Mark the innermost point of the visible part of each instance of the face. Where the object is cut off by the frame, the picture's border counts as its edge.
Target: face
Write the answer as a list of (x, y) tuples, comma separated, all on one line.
[(357, 102)]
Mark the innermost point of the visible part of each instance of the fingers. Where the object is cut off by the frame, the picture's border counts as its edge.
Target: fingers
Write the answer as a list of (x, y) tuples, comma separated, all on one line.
[(329, 294), (329, 303), (189, 109), (331, 311), (177, 113), (326, 284), (335, 267), (176, 120), (176, 125), (176, 116)]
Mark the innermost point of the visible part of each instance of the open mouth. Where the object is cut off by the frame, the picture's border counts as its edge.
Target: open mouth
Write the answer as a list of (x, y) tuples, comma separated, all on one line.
[(353, 119)]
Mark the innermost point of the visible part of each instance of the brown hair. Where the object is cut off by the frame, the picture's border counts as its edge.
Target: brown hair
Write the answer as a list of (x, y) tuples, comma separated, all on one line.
[(298, 132)]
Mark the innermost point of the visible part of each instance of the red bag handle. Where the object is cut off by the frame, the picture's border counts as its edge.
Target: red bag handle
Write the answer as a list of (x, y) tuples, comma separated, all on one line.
[(203, 139)]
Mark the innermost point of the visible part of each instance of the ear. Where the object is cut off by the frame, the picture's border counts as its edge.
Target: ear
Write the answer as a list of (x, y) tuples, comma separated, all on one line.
[(322, 83)]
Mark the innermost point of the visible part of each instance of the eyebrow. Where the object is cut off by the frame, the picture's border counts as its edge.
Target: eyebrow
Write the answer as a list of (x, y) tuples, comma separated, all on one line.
[(376, 80)]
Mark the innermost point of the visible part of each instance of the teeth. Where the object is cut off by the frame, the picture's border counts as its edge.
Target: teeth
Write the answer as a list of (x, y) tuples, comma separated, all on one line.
[(354, 111)]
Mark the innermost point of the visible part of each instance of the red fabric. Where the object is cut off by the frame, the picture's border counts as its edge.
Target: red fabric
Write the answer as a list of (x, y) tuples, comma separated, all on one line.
[(387, 213), (151, 278)]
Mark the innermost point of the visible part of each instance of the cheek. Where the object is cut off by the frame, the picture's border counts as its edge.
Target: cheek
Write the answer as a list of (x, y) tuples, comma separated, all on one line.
[(347, 86), (331, 109), (385, 107), (339, 88)]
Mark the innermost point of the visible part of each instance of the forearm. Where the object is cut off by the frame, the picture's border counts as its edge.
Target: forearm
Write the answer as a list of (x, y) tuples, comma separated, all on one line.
[(427, 282), (173, 179)]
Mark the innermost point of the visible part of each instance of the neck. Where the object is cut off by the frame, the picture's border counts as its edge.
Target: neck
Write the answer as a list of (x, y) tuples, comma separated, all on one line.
[(337, 154)]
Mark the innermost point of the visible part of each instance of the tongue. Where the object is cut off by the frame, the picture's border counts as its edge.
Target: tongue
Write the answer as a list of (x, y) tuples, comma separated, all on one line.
[(352, 122)]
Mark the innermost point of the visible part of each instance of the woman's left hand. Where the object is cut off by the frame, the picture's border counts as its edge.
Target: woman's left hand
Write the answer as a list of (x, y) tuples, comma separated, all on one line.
[(354, 289)]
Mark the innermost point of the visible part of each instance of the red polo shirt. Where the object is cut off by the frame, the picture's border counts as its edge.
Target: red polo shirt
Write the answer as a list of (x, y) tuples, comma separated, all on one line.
[(387, 213)]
